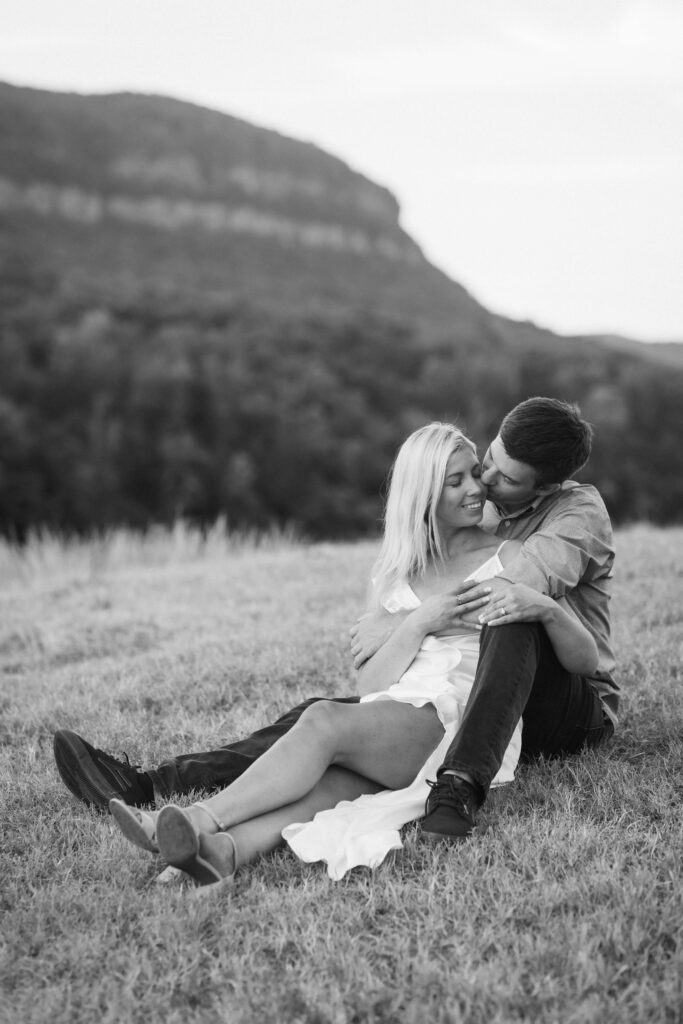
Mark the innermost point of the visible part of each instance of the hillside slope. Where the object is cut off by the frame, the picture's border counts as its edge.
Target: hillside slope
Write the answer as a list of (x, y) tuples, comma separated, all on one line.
[(202, 318), (122, 194)]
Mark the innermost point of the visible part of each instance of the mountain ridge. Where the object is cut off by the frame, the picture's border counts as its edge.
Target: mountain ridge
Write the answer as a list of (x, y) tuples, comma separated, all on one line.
[(156, 162), (76, 170), (160, 164)]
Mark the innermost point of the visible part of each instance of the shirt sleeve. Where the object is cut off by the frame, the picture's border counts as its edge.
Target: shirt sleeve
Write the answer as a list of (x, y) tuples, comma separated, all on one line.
[(571, 544)]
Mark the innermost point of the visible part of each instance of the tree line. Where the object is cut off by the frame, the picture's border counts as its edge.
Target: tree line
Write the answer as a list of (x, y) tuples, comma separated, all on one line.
[(140, 413)]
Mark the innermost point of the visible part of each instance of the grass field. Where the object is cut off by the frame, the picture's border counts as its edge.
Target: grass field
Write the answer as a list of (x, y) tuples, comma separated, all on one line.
[(567, 907)]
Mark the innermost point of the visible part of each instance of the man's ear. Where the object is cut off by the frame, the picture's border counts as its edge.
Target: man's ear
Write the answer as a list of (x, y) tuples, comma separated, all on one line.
[(547, 489)]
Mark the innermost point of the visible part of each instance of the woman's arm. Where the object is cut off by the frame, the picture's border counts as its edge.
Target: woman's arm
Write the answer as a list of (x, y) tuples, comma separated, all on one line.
[(373, 629), (573, 644), (390, 661)]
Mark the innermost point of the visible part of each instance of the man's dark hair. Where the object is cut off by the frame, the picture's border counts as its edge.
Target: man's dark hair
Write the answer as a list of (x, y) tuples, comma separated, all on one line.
[(550, 436)]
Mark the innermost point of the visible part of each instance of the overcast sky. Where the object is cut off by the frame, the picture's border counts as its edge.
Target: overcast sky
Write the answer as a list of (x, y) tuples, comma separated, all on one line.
[(535, 146)]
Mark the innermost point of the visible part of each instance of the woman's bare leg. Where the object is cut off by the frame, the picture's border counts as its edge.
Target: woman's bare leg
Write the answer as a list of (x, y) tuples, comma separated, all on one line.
[(385, 741), (264, 833)]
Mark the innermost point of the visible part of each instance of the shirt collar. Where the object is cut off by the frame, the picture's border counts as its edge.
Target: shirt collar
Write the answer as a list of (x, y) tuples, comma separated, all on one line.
[(522, 511)]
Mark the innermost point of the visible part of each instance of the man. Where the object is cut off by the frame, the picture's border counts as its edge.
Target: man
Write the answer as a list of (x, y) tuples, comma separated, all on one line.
[(567, 553)]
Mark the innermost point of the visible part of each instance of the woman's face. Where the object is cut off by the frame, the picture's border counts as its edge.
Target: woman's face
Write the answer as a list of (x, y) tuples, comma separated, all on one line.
[(462, 499)]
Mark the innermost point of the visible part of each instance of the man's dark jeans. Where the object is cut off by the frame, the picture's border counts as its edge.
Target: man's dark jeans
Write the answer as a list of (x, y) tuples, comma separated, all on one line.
[(517, 675)]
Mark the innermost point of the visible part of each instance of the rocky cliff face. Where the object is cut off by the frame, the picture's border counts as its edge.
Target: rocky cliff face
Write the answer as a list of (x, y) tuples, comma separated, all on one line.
[(172, 213)]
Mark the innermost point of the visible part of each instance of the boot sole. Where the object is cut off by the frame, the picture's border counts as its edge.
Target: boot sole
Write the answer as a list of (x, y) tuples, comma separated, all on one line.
[(444, 837)]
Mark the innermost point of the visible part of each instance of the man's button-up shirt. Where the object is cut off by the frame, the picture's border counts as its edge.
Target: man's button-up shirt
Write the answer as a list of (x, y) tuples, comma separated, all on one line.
[(568, 553)]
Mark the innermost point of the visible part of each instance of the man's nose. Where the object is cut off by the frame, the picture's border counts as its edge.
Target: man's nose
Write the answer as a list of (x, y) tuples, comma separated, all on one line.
[(487, 475)]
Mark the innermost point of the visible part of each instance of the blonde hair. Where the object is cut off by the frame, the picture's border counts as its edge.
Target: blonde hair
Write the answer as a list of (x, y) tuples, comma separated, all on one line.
[(411, 536)]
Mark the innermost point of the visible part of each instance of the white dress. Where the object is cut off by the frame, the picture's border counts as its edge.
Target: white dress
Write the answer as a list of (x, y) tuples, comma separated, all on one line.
[(362, 831)]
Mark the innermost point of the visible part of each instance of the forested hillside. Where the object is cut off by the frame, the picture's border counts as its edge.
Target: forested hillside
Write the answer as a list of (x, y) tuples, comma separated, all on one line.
[(201, 318)]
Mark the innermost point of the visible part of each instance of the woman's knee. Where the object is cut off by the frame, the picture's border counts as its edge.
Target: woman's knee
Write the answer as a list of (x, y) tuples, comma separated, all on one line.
[(323, 719)]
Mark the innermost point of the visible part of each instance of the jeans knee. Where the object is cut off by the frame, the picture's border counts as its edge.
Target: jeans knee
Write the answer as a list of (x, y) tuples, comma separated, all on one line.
[(512, 635)]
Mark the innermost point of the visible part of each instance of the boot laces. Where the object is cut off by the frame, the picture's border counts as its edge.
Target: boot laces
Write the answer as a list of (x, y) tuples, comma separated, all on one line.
[(450, 791)]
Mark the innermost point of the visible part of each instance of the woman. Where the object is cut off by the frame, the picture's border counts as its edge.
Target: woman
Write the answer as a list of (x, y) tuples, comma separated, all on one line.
[(378, 753)]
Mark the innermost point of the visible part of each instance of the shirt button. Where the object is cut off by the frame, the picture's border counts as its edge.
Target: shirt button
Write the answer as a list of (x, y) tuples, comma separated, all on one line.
[(507, 522)]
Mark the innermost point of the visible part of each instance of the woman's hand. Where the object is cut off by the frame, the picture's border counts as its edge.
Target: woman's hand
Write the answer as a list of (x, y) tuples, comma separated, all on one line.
[(443, 613), (517, 603), (370, 632)]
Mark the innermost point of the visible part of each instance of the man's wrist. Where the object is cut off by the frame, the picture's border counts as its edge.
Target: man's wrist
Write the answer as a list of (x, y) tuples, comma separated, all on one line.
[(550, 613)]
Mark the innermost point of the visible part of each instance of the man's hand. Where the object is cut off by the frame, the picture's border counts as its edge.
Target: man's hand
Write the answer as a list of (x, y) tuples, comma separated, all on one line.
[(371, 632), (515, 602)]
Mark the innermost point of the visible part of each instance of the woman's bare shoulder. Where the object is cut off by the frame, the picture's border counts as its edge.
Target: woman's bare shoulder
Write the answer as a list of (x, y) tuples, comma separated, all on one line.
[(510, 550)]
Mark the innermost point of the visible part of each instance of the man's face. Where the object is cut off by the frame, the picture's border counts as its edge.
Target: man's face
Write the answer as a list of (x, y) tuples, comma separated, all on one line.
[(510, 484)]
